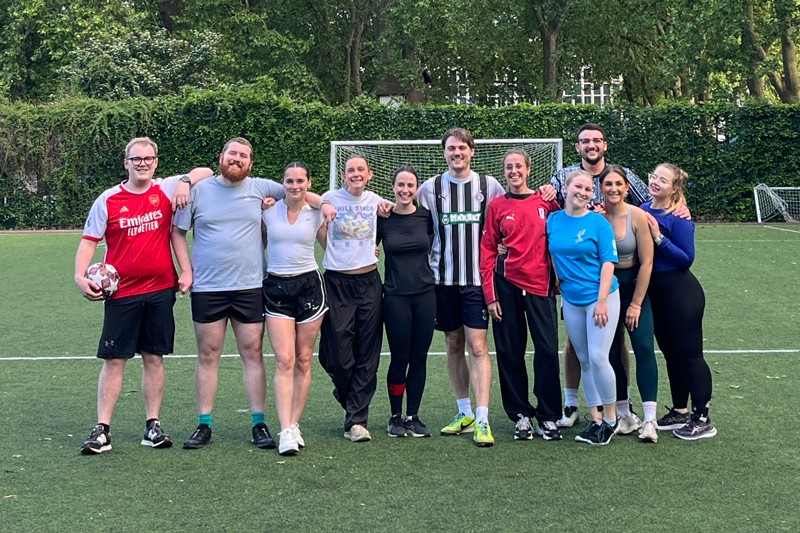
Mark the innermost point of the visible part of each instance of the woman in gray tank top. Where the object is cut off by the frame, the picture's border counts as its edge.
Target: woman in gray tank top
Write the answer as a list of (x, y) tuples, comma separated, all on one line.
[(635, 251)]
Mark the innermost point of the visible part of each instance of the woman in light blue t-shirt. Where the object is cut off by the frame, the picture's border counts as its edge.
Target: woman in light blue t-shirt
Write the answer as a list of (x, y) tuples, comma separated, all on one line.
[(583, 250)]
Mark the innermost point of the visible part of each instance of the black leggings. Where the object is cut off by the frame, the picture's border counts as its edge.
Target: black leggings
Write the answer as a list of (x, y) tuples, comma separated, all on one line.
[(678, 305), (409, 321)]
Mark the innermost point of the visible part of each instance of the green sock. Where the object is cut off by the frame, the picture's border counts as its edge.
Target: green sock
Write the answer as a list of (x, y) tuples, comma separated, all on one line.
[(258, 418), (205, 419)]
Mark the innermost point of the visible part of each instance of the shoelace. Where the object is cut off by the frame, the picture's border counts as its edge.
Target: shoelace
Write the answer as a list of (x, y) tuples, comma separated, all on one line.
[(549, 426), (458, 418), (483, 426), (524, 423)]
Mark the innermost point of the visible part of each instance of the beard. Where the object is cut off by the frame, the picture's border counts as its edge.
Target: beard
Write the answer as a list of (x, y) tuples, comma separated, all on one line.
[(594, 157), (233, 172)]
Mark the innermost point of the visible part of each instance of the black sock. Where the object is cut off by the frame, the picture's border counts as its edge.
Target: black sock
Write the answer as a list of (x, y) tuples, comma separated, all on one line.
[(149, 422)]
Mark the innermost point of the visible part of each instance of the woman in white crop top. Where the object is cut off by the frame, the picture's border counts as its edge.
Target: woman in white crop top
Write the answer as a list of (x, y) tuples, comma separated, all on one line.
[(635, 252)]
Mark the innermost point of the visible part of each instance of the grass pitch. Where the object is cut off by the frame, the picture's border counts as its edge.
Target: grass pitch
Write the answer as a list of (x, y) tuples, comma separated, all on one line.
[(745, 479)]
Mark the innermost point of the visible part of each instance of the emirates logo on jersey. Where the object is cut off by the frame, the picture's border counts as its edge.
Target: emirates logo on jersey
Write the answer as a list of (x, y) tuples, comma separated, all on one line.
[(154, 200)]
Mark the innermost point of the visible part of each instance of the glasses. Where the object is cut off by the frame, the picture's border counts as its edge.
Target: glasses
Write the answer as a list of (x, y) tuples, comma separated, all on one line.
[(654, 177), (146, 160), (587, 141)]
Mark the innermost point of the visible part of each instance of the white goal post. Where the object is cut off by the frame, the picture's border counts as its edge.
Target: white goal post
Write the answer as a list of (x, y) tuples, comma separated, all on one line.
[(777, 202), (427, 157)]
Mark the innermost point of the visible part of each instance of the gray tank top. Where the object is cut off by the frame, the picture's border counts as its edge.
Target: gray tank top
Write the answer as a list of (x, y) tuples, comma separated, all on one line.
[(626, 246)]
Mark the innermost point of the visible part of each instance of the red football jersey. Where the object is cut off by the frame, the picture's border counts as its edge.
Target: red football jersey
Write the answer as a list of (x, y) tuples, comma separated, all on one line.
[(136, 228), (520, 224)]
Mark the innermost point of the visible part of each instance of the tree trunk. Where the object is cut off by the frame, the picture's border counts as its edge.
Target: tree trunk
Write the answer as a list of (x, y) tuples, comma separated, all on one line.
[(549, 63), (548, 29), (791, 79), (755, 85)]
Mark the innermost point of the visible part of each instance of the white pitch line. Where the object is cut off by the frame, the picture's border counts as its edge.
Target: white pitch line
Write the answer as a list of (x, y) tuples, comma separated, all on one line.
[(232, 355), (783, 229), (728, 241)]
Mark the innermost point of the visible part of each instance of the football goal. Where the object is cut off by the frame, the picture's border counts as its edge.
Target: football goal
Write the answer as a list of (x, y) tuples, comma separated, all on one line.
[(426, 156), (777, 203)]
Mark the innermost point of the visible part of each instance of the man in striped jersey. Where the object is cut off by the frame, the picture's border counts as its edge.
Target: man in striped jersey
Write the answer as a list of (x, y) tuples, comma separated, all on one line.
[(457, 201)]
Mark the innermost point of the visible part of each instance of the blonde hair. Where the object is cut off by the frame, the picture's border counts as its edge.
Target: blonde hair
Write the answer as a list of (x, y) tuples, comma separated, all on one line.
[(577, 173), (140, 140), (680, 179)]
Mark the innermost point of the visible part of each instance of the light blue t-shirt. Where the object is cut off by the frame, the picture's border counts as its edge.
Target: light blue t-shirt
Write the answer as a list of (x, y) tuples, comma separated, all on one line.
[(228, 252), (579, 246)]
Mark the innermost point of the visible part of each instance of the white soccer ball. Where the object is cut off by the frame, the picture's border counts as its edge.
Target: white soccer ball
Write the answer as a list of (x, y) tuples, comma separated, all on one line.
[(105, 276)]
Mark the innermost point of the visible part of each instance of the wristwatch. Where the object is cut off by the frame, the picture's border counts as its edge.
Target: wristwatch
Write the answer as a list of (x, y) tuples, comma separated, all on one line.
[(658, 240), (186, 179)]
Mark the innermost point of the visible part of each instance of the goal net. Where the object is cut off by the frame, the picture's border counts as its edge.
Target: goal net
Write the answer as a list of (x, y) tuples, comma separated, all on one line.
[(777, 203), (426, 156)]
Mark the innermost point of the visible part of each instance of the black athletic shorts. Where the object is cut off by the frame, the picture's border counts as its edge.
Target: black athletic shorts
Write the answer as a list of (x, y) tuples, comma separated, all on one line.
[(458, 306), (136, 324), (245, 306), (300, 297)]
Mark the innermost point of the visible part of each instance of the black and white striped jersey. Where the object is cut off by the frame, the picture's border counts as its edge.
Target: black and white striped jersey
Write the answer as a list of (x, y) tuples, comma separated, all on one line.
[(458, 208)]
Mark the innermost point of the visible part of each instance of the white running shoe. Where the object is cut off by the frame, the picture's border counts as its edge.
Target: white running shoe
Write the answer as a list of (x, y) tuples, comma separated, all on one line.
[(288, 443), (649, 431), (357, 433), (569, 418), (298, 436), (628, 424)]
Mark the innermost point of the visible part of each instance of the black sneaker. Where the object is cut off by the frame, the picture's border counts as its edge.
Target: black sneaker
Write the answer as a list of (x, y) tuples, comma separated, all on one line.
[(699, 427), (416, 428), (673, 420), (200, 437), (396, 427), (98, 442), (523, 431), (602, 435), (586, 434), (548, 430), (155, 437), (262, 437)]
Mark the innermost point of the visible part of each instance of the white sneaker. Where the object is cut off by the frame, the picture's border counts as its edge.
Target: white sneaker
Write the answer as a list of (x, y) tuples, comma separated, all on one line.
[(288, 443), (298, 436), (569, 418), (649, 431), (628, 424), (357, 433)]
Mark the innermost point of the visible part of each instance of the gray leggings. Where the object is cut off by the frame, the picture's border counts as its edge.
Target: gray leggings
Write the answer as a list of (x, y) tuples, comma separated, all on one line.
[(592, 344)]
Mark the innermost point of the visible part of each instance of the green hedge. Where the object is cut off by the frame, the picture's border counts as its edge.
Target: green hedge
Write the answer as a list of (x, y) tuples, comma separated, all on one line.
[(55, 159)]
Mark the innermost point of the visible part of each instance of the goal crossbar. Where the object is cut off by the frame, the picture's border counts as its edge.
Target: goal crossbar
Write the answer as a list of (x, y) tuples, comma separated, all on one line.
[(426, 155)]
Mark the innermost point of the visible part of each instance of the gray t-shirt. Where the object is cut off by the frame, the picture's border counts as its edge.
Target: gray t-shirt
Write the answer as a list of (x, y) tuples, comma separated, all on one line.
[(228, 253)]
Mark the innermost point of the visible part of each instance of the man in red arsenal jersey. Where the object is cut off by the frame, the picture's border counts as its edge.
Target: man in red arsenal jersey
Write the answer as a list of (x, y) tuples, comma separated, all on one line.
[(135, 220)]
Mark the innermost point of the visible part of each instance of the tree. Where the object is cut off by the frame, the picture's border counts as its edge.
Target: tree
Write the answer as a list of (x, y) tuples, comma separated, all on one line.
[(549, 15), (149, 63), (36, 37), (781, 69)]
